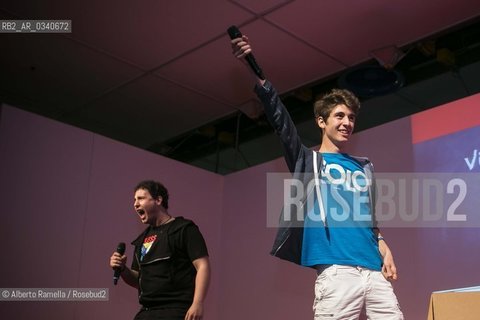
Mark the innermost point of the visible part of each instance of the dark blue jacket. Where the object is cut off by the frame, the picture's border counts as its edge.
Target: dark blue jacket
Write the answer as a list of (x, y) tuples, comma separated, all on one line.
[(299, 159)]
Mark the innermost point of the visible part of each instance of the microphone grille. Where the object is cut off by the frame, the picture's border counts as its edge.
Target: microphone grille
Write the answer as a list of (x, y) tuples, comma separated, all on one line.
[(121, 248), (234, 32)]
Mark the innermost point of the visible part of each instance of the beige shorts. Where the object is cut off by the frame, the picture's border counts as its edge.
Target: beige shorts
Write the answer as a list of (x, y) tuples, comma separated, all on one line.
[(343, 292)]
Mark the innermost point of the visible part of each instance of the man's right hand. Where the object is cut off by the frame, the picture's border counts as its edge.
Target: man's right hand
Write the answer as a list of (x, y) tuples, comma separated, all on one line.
[(128, 275), (241, 47), (118, 261)]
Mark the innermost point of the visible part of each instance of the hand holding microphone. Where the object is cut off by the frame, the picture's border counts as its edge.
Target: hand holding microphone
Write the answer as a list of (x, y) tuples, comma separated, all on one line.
[(117, 262), (241, 49)]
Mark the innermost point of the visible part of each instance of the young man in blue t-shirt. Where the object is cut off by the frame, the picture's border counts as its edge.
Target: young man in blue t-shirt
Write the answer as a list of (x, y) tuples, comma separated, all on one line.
[(337, 235)]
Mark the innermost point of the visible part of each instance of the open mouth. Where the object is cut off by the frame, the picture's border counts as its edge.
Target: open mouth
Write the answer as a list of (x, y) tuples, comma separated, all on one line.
[(142, 215)]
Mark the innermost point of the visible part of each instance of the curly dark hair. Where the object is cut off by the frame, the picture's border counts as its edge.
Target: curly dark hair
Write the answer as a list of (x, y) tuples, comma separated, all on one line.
[(323, 106), (156, 190)]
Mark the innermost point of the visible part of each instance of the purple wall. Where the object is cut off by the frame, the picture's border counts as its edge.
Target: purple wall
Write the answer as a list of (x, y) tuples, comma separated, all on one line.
[(67, 201)]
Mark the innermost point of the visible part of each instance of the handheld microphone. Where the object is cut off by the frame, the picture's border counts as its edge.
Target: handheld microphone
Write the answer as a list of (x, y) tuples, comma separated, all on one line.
[(234, 33), (117, 271)]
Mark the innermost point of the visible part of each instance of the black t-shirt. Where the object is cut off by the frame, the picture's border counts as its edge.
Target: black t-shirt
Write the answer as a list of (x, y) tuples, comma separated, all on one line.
[(163, 258)]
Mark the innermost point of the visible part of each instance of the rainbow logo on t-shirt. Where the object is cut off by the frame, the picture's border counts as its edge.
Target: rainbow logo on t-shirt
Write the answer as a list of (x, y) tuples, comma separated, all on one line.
[(147, 244)]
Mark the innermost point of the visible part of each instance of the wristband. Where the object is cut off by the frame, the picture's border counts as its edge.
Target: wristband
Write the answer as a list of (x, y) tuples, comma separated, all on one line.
[(380, 238)]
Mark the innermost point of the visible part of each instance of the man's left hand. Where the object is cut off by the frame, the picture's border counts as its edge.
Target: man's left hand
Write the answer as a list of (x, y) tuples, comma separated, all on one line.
[(195, 312)]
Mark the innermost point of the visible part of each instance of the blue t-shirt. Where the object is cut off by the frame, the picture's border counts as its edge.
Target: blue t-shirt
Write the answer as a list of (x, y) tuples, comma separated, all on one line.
[(348, 238)]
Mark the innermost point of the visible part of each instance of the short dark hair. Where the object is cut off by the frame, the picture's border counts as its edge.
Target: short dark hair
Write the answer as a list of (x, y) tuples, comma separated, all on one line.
[(324, 106), (156, 190)]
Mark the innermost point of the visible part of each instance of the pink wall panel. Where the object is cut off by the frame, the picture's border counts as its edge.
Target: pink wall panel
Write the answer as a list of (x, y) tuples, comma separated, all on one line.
[(44, 192), (256, 285), (67, 197)]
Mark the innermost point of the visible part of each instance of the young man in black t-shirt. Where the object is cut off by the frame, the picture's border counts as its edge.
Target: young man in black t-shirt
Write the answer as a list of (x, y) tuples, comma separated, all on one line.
[(171, 268)]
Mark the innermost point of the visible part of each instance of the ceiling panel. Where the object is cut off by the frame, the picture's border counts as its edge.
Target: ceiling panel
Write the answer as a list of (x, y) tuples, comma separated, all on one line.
[(55, 74), (229, 80), (147, 33), (150, 109), (262, 6), (151, 33), (350, 30)]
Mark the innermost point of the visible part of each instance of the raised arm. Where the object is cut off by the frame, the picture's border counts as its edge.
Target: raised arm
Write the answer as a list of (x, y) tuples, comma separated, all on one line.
[(241, 48), (274, 108)]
